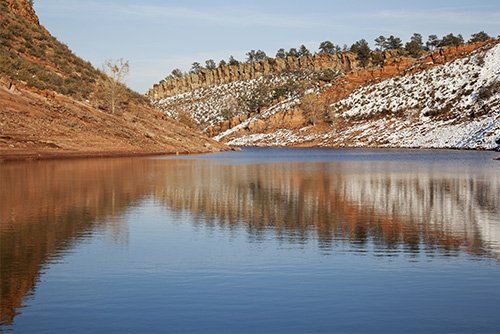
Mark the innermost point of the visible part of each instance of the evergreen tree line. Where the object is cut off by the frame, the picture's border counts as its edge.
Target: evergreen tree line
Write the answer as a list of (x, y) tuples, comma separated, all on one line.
[(414, 48)]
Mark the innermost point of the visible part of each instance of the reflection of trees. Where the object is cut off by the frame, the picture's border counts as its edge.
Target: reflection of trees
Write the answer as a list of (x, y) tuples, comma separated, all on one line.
[(410, 209), (45, 207)]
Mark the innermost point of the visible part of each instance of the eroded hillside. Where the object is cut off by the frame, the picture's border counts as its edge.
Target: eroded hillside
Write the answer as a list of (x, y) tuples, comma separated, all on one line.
[(52, 102)]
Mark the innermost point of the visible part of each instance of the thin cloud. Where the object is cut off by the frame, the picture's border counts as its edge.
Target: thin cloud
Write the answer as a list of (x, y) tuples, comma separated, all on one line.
[(159, 36), (220, 16), (470, 16), (224, 16)]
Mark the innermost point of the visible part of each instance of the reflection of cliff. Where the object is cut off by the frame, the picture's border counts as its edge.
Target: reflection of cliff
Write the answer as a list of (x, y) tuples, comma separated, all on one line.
[(413, 209), (45, 207)]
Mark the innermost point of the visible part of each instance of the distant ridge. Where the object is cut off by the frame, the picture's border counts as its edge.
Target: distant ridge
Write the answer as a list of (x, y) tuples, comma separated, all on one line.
[(370, 104)]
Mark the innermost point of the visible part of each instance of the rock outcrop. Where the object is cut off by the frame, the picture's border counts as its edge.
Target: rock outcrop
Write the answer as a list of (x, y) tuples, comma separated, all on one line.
[(343, 62), (23, 8)]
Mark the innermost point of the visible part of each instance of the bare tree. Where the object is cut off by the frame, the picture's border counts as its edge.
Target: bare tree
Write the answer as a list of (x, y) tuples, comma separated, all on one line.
[(185, 118), (116, 71)]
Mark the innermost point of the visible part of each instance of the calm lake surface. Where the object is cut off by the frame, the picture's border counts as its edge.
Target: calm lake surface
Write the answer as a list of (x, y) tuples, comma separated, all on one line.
[(262, 240)]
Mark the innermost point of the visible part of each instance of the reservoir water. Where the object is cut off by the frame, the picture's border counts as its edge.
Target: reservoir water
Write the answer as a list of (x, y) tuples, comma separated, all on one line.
[(256, 241)]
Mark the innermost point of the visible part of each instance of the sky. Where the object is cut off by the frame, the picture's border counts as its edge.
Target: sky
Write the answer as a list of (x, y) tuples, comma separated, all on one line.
[(157, 36)]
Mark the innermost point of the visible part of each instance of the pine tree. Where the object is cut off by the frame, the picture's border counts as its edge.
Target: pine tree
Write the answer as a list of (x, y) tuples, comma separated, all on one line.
[(394, 43), (451, 40), (233, 62), (253, 56), (177, 73), (260, 55), (479, 37), (210, 64), (381, 43), (303, 51), (250, 56), (433, 42), (415, 46), (362, 50), (196, 68), (281, 53), (326, 47), (292, 53)]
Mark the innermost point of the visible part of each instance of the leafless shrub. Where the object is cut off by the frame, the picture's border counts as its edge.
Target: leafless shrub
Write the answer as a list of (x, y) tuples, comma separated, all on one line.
[(313, 108)]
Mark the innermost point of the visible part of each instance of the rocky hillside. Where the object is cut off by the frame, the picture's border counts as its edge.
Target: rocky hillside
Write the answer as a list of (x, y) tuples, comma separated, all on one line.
[(448, 98), (29, 54), (52, 102)]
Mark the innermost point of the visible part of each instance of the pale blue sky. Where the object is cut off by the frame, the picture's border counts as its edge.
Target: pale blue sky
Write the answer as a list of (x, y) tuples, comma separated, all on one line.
[(158, 36)]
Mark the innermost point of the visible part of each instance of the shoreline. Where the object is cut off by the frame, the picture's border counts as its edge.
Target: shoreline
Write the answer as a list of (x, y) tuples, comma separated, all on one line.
[(38, 156)]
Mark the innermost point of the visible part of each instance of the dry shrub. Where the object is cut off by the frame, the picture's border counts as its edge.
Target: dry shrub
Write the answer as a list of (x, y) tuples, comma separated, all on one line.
[(313, 108)]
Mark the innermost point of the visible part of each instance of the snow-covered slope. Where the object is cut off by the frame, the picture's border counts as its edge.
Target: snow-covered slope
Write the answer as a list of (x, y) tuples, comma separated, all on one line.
[(213, 105), (426, 103), (454, 105), (462, 86)]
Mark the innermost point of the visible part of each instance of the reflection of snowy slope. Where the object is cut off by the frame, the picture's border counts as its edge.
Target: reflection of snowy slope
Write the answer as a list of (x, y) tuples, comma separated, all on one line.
[(438, 207), (490, 234), (456, 204)]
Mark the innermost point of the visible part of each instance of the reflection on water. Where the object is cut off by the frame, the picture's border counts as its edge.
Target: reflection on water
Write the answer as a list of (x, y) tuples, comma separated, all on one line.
[(380, 206), (45, 207), (342, 201)]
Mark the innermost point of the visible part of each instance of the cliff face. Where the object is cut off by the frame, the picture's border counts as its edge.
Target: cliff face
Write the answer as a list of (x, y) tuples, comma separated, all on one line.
[(343, 62), (229, 95)]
